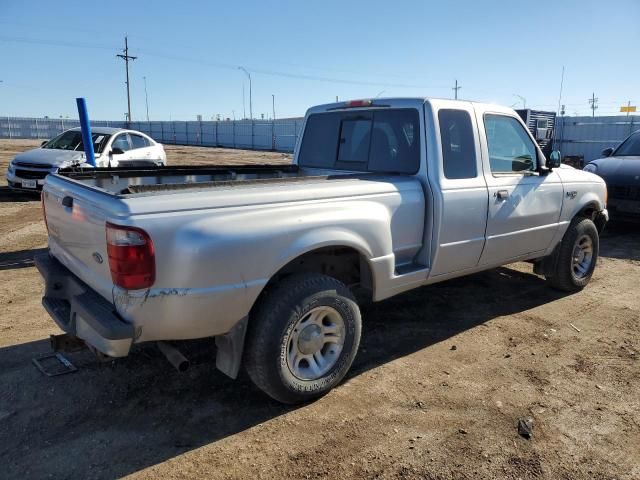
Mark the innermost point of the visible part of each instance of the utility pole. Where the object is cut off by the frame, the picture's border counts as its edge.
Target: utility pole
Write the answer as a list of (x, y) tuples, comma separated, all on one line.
[(593, 102), (456, 88), (146, 97), (126, 57), (273, 105), (250, 99)]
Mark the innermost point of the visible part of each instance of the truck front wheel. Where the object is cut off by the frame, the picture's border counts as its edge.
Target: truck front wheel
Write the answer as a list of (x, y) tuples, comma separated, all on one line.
[(302, 337), (576, 257)]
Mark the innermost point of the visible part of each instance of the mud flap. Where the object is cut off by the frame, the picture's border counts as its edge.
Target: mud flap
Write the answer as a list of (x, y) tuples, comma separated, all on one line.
[(547, 265), (230, 347)]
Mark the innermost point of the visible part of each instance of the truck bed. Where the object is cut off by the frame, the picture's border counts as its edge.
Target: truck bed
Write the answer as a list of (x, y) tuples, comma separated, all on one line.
[(135, 180)]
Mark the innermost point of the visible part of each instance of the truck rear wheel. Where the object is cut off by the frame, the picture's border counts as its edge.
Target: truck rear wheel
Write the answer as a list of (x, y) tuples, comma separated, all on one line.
[(303, 337), (577, 256)]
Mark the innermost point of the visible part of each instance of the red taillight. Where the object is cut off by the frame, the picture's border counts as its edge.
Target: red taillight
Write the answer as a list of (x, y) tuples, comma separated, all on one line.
[(359, 103), (131, 257), (44, 211)]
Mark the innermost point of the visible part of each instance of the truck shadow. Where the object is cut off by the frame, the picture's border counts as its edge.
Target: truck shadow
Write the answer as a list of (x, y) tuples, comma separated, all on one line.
[(19, 258), (8, 195), (621, 241), (111, 419)]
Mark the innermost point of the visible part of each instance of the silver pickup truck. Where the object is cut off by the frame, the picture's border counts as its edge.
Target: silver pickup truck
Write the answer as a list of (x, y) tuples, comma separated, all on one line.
[(383, 196)]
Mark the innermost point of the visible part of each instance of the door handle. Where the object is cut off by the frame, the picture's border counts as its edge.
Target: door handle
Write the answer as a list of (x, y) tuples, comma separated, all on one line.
[(502, 194)]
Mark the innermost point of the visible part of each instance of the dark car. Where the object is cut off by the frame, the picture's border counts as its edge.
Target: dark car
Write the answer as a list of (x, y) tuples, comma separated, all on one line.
[(620, 168)]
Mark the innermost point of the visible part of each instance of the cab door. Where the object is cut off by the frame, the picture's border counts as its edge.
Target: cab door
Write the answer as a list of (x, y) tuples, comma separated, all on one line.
[(462, 206), (524, 205)]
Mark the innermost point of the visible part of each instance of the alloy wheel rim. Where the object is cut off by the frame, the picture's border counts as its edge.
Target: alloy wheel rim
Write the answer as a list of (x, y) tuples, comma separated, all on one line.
[(315, 343), (582, 257)]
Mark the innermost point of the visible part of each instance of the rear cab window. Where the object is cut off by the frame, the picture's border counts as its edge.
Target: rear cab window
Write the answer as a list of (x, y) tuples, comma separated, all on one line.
[(382, 141)]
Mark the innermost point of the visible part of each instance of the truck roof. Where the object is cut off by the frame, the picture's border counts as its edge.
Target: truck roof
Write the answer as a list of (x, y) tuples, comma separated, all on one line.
[(398, 102)]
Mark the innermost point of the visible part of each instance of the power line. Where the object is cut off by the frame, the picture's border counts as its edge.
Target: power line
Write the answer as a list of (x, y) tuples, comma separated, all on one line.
[(276, 73), (181, 45), (126, 57)]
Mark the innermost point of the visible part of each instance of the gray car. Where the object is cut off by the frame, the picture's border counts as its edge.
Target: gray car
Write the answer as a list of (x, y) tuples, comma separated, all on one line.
[(620, 168)]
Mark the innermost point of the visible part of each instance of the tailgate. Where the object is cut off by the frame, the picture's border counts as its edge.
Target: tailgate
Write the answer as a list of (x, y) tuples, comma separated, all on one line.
[(76, 224)]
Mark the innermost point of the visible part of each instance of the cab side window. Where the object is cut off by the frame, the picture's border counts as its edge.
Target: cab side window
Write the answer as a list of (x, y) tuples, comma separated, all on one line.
[(121, 142), (511, 150), (458, 146)]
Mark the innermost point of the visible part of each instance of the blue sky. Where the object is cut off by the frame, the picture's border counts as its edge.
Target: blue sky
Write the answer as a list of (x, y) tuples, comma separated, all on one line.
[(309, 52)]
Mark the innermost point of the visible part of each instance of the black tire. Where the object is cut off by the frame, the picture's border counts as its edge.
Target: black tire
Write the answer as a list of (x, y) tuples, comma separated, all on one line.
[(270, 327), (563, 277)]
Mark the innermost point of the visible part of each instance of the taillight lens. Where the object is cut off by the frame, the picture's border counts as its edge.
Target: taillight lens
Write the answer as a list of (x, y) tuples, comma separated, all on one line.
[(131, 257)]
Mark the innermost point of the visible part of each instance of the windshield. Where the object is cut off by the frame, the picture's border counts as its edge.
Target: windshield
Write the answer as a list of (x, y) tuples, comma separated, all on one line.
[(72, 140), (630, 147)]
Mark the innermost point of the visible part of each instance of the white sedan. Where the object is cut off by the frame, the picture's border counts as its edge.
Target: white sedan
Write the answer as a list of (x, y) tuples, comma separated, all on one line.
[(113, 147)]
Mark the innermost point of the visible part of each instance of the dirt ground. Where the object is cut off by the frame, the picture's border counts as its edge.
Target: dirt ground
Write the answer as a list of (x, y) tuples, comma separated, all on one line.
[(443, 375)]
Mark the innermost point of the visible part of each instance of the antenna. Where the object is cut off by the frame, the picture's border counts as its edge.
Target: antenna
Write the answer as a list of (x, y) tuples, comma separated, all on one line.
[(560, 96)]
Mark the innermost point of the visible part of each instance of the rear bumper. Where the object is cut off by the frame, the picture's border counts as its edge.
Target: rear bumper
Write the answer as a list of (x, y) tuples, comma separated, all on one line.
[(80, 311)]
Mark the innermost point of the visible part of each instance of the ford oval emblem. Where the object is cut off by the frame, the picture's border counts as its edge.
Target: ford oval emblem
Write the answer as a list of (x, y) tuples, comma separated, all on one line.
[(97, 257)]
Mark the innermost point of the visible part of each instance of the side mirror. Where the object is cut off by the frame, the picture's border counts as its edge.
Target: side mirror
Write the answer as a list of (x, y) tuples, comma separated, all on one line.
[(554, 159), (116, 151), (607, 152), (44, 143)]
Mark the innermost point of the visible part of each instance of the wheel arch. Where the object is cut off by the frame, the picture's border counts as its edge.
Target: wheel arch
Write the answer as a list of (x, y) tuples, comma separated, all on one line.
[(592, 210), (344, 261)]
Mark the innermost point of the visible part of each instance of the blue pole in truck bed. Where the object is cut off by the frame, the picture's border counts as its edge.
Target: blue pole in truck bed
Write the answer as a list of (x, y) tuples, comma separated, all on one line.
[(85, 126)]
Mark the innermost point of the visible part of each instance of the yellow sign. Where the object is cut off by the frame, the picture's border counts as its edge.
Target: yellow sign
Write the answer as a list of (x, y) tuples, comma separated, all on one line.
[(628, 108)]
